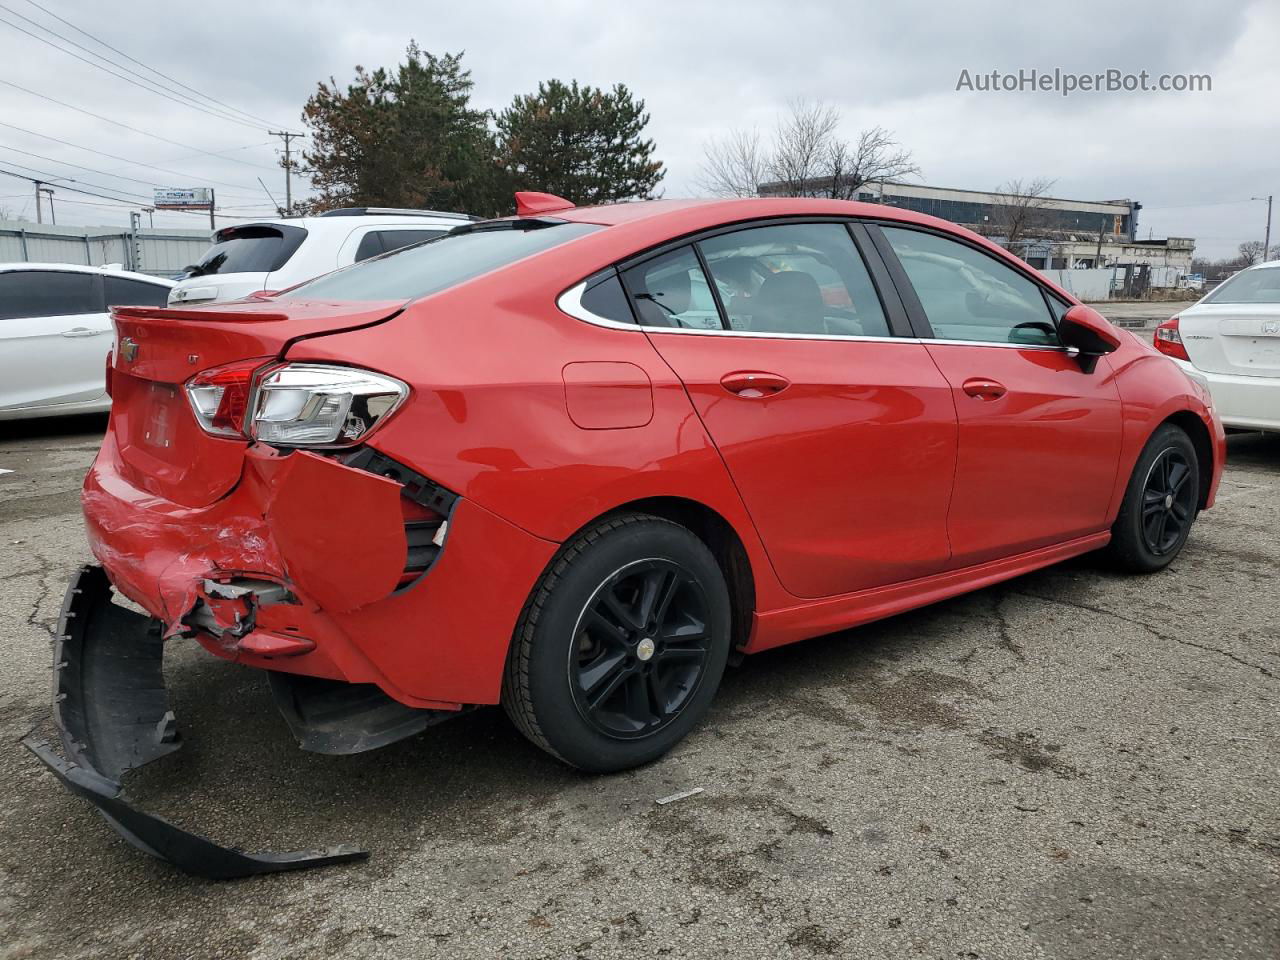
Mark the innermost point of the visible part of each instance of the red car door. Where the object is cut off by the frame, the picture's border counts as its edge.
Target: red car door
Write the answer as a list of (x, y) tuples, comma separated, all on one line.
[(1039, 438), (839, 435)]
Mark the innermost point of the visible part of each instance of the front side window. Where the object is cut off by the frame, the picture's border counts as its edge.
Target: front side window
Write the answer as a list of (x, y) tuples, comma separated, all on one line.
[(672, 291), (1249, 286), (798, 278), (439, 264), (968, 295), (46, 293)]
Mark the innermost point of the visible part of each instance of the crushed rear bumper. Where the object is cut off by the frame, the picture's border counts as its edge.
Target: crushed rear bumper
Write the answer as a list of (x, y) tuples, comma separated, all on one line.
[(112, 714)]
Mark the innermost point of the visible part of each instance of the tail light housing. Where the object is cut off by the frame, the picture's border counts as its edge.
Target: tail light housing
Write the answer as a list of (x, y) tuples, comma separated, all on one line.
[(1168, 340), (293, 404)]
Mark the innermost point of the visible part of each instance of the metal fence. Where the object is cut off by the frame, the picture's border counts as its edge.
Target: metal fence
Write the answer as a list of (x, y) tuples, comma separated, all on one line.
[(161, 252)]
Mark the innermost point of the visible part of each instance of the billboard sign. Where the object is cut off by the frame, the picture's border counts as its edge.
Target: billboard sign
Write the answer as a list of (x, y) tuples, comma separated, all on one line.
[(182, 198)]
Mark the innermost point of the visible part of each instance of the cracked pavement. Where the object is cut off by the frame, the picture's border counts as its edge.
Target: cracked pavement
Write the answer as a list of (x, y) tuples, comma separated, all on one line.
[(1072, 764)]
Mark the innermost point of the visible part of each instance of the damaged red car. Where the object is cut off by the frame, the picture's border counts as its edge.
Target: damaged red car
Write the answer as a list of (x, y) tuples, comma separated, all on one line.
[(575, 461)]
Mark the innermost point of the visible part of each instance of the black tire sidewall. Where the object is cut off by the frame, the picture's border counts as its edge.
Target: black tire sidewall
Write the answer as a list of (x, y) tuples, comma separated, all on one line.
[(1129, 544), (558, 718)]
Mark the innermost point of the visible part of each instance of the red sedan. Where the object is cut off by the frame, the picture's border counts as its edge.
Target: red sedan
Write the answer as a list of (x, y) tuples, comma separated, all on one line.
[(576, 461)]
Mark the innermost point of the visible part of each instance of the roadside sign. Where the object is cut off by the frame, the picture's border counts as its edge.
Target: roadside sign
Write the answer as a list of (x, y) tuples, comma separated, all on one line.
[(182, 198)]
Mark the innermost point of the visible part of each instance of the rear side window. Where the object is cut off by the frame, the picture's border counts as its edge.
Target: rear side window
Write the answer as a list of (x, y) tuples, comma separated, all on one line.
[(122, 291), (672, 291), (1249, 286), (805, 278), (605, 298), (252, 248), (968, 295), (376, 242), (47, 293), (439, 264)]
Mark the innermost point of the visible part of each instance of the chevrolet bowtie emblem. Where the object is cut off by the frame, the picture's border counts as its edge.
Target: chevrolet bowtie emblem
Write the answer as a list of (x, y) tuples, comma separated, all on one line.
[(129, 349)]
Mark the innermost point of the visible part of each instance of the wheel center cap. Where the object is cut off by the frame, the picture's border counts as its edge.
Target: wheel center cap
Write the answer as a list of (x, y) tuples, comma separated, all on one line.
[(1168, 501), (644, 649)]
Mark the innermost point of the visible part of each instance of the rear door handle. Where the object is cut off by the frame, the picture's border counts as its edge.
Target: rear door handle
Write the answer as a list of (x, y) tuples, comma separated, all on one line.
[(754, 384), (82, 332), (984, 388)]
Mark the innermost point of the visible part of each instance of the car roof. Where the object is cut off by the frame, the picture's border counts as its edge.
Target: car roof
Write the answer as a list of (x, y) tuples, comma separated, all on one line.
[(81, 268)]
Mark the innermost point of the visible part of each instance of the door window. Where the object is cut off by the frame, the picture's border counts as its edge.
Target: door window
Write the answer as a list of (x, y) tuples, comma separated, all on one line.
[(122, 291), (968, 295), (46, 293), (798, 278), (672, 291), (384, 241)]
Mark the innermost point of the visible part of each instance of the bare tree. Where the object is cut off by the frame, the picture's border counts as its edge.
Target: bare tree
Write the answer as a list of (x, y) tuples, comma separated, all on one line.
[(1022, 211), (1251, 252), (802, 146), (805, 157), (875, 155), (734, 166)]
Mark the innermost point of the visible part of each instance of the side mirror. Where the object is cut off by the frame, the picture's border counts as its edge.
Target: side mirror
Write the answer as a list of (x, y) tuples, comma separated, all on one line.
[(1087, 335)]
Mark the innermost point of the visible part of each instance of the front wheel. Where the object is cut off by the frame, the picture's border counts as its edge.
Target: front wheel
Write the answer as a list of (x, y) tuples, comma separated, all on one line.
[(1160, 504), (621, 646)]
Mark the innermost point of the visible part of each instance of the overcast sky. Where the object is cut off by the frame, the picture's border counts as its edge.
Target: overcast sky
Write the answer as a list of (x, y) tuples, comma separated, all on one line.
[(1193, 159)]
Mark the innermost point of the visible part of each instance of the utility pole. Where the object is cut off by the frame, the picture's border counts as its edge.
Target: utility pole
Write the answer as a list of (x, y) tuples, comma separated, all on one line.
[(39, 216), (212, 225), (1266, 243), (288, 138)]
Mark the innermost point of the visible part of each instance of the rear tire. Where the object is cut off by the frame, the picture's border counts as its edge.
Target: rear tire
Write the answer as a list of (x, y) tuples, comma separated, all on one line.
[(621, 645), (1160, 504)]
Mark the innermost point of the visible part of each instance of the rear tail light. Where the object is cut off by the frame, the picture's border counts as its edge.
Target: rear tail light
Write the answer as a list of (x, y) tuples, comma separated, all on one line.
[(293, 405), (220, 397), (111, 356), (1168, 340)]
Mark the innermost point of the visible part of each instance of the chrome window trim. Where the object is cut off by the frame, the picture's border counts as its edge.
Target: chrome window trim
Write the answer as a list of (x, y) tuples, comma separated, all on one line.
[(570, 302)]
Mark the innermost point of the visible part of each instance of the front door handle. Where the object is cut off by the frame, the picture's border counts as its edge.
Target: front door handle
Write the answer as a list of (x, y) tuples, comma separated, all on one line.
[(984, 388), (81, 332), (754, 384)]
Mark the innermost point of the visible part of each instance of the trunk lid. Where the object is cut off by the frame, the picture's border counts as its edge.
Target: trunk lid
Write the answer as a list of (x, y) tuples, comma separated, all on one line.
[(1239, 339), (163, 449)]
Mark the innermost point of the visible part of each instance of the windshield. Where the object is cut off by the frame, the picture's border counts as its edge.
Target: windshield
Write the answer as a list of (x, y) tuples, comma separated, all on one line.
[(1249, 286), (255, 248), (440, 263)]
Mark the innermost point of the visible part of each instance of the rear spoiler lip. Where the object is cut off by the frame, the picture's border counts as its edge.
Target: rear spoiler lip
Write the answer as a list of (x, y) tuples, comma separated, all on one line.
[(259, 311)]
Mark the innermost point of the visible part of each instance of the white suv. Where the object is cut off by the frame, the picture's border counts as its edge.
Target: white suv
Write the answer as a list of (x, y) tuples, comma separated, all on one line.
[(275, 254)]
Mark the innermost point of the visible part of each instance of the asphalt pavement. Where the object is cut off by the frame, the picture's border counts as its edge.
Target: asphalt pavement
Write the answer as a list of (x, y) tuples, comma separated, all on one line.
[(1073, 764)]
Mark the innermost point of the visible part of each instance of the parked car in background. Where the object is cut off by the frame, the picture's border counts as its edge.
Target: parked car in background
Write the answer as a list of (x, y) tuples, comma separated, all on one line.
[(1230, 342), (275, 254), (577, 460), (55, 334)]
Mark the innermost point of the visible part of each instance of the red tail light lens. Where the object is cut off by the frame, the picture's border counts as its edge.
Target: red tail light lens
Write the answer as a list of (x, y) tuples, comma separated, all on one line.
[(220, 397), (1168, 340), (111, 355)]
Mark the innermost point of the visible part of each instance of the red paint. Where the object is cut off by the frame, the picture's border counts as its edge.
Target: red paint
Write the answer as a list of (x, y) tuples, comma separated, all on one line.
[(529, 203), (863, 477)]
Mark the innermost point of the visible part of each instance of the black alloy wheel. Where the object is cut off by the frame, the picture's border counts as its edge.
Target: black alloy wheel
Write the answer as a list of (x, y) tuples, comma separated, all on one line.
[(640, 649), (1168, 502)]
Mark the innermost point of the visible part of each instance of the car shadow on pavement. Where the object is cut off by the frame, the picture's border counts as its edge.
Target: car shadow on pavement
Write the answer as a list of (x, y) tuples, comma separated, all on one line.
[(42, 427)]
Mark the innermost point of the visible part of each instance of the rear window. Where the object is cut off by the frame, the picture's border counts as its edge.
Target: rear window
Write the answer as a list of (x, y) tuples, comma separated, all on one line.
[(1249, 286), (438, 264), (254, 248)]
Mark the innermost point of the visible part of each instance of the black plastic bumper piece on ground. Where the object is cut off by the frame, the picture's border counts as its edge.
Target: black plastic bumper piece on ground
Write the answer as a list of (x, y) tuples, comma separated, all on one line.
[(112, 714)]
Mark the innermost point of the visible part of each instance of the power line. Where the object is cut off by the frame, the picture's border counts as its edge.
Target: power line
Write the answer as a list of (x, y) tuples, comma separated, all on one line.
[(158, 73), (46, 179), (139, 163), (104, 173), (125, 126), (155, 88)]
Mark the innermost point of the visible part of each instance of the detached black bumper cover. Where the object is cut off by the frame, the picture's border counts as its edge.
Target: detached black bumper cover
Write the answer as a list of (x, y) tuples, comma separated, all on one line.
[(112, 714)]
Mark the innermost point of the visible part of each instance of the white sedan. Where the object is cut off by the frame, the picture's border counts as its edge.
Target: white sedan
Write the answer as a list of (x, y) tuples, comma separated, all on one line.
[(1230, 342), (55, 333)]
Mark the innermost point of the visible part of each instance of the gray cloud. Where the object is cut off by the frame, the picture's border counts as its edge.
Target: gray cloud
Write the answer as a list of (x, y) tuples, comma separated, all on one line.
[(703, 68)]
